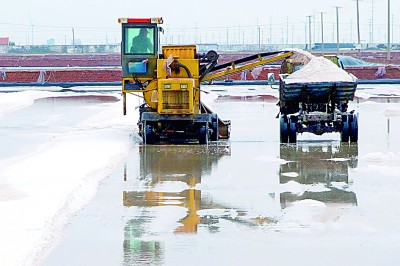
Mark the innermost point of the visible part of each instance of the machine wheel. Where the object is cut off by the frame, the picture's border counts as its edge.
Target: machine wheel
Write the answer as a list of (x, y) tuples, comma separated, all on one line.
[(344, 135), (284, 129), (354, 128), (149, 137), (203, 134), (292, 130)]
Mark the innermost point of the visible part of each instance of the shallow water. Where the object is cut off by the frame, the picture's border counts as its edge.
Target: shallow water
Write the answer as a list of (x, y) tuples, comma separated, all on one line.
[(249, 200)]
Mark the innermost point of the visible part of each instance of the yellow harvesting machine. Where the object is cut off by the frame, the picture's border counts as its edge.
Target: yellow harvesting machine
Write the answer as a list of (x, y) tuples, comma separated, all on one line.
[(169, 79)]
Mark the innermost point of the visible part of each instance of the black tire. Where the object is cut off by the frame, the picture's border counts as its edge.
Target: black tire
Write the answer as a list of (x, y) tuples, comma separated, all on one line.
[(292, 130), (203, 134), (149, 137), (284, 134), (214, 134), (344, 135), (354, 128)]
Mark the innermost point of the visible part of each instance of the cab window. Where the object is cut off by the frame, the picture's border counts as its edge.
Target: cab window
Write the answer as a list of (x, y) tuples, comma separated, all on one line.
[(139, 40)]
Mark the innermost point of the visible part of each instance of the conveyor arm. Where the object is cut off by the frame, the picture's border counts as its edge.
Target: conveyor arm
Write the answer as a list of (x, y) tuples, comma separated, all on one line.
[(231, 67)]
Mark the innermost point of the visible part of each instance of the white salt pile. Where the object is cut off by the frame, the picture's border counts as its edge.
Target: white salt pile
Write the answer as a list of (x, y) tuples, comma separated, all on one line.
[(301, 53), (319, 69)]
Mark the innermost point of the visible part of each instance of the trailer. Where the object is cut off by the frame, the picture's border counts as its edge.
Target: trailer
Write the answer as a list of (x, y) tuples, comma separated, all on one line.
[(314, 97)]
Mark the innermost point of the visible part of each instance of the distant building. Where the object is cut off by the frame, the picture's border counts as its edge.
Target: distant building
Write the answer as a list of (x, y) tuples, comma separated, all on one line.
[(4, 41), (333, 46), (4, 45), (51, 42), (76, 42), (205, 47)]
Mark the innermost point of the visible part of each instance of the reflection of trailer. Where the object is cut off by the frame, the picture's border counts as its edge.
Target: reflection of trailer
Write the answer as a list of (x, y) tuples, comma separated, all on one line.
[(317, 107), (318, 164)]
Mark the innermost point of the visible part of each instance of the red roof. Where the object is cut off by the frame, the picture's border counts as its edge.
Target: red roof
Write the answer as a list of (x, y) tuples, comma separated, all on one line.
[(4, 41)]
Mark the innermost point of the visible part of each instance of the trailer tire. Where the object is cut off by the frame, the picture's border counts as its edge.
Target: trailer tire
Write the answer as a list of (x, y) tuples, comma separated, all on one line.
[(284, 135), (354, 128), (149, 137), (203, 134), (292, 130), (344, 135), (214, 135)]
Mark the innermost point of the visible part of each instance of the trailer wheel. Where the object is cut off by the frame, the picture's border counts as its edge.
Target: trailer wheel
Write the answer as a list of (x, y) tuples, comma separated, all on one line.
[(149, 137), (284, 129), (214, 134), (292, 130), (203, 134), (344, 135), (354, 128)]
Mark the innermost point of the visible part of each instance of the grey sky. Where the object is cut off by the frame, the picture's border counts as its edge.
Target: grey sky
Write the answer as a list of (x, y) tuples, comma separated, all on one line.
[(205, 21)]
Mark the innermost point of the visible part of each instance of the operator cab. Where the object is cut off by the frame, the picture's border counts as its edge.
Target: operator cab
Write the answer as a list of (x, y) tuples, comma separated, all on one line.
[(139, 47)]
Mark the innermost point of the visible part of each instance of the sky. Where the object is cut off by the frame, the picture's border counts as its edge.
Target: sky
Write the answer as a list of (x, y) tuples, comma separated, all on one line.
[(95, 22)]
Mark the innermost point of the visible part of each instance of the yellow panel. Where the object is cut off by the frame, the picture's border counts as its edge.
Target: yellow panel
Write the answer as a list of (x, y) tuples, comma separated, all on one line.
[(180, 51), (191, 64), (175, 96)]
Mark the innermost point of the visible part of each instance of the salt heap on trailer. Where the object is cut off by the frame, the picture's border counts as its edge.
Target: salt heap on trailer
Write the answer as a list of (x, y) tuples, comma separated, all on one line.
[(320, 70)]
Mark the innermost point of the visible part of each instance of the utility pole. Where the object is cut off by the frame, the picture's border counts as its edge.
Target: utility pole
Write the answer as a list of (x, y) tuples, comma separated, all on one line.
[(392, 29), (322, 32), (31, 24), (287, 30), (239, 36), (270, 30), (388, 33), (309, 33), (73, 40), (372, 22), (314, 36), (227, 38), (358, 27), (337, 29)]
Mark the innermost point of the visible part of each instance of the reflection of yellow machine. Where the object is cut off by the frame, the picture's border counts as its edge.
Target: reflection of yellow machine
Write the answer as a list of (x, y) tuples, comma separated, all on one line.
[(189, 163), (156, 167), (137, 250), (170, 84), (318, 164)]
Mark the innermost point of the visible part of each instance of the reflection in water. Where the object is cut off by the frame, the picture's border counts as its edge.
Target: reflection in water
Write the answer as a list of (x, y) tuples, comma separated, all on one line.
[(137, 251), (247, 98), (169, 175), (381, 98), (314, 164), (78, 99)]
